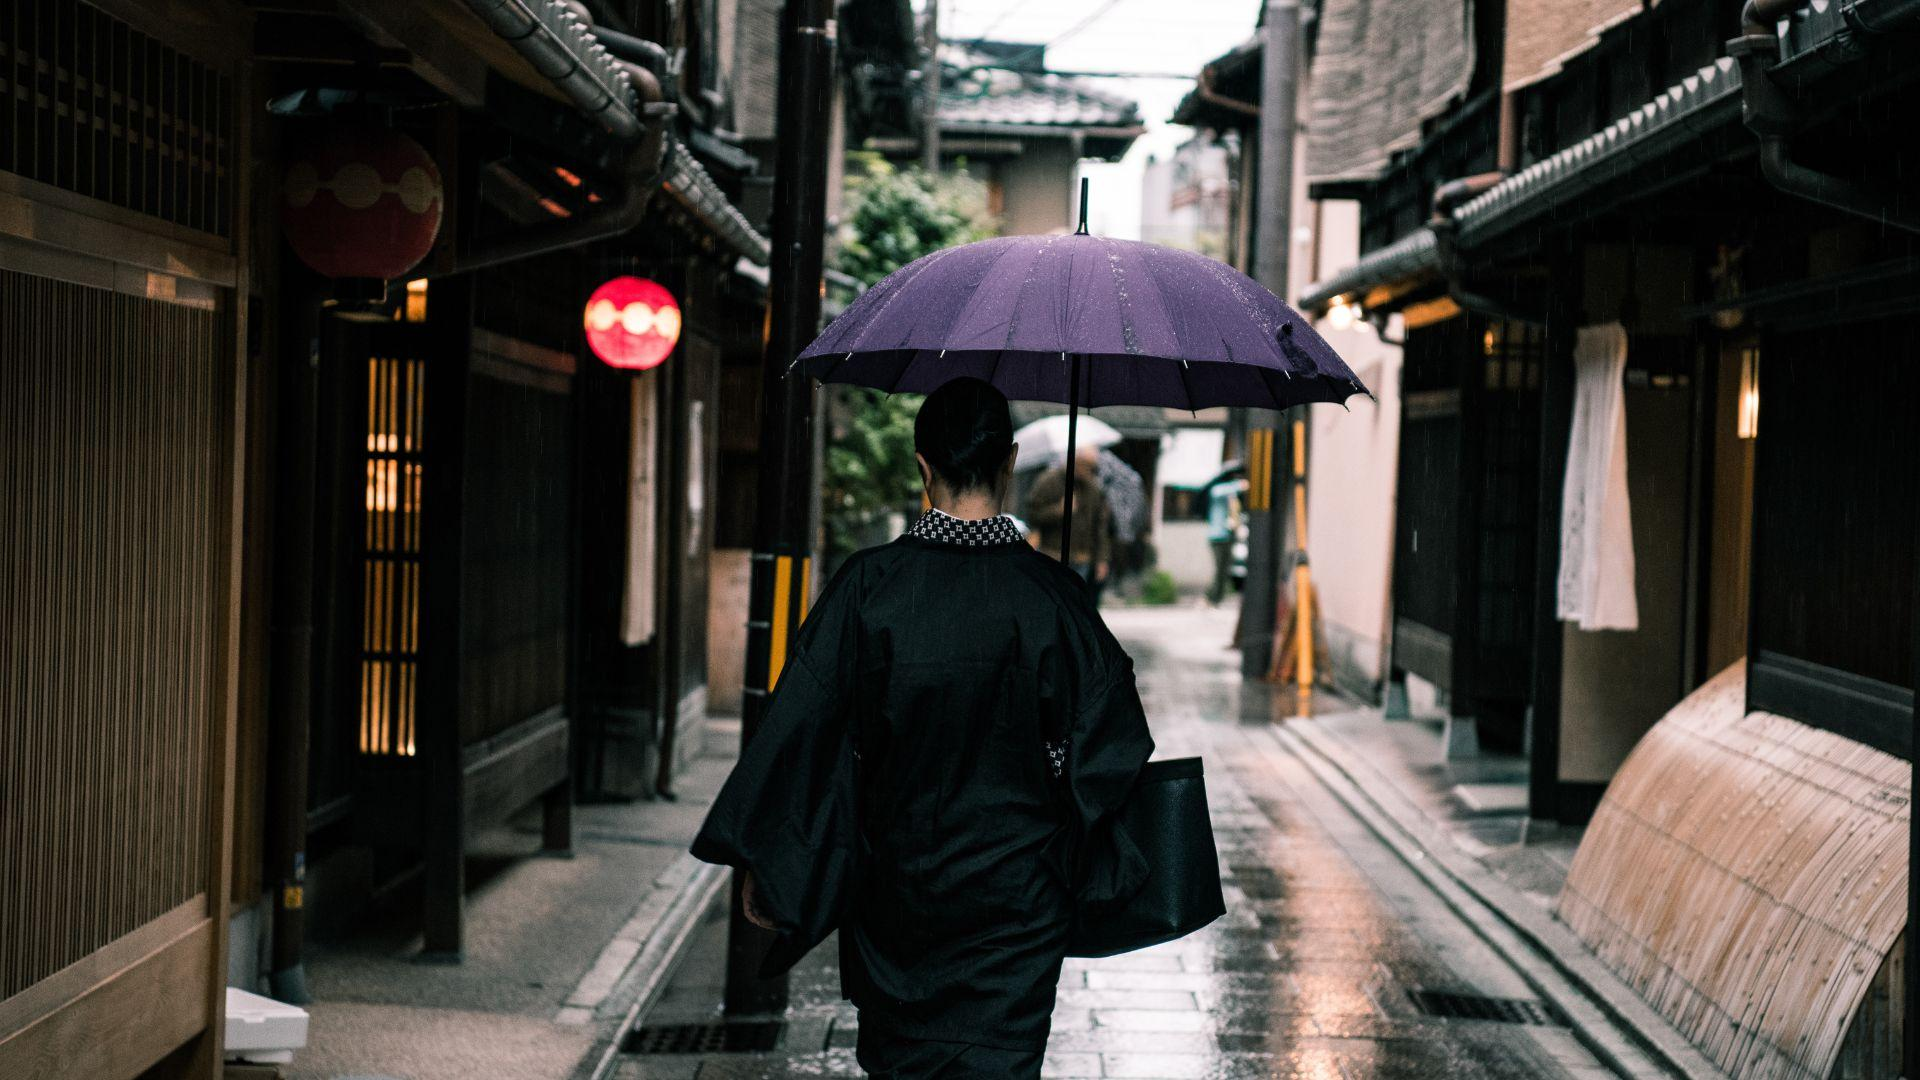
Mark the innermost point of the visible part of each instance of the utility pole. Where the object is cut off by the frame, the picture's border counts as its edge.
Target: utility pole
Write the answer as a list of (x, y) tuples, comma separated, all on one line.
[(930, 83), (782, 547), (1272, 239)]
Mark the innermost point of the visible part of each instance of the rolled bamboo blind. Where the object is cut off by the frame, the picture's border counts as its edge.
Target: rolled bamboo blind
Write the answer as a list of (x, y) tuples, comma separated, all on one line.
[(1747, 874)]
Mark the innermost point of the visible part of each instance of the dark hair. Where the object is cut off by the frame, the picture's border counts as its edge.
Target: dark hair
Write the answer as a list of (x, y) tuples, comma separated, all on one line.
[(965, 432)]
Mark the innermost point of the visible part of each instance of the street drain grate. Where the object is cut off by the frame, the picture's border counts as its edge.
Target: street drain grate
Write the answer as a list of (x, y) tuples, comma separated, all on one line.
[(1452, 1006), (739, 1037)]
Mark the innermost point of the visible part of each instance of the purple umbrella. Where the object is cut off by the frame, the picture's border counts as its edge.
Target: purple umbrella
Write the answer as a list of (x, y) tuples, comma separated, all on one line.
[(1083, 320)]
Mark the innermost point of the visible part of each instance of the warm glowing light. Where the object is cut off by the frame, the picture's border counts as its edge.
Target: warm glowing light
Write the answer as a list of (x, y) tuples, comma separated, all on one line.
[(416, 309), (1747, 422), (632, 323), (570, 178), (1341, 315)]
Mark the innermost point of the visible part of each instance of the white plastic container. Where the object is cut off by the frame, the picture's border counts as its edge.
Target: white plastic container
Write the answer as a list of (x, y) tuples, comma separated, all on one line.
[(262, 1029)]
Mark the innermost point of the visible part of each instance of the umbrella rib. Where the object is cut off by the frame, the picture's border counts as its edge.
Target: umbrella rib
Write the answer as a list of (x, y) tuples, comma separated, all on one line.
[(994, 372), (1266, 379), (900, 376), (1188, 387)]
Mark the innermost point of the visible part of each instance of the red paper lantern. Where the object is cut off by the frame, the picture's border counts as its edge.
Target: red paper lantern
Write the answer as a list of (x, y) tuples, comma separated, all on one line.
[(362, 202), (632, 323)]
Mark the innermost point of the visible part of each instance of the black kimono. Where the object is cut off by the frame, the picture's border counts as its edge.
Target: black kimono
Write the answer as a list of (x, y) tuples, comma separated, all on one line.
[(997, 730)]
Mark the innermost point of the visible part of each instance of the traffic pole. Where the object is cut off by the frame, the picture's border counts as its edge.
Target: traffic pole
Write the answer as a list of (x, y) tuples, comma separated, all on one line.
[(782, 568), (1260, 599)]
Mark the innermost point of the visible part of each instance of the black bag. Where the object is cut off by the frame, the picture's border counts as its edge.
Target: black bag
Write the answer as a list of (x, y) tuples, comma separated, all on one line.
[(1166, 818)]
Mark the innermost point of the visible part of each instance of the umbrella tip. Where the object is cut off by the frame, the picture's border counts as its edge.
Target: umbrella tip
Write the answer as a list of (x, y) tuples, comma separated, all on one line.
[(1082, 231)]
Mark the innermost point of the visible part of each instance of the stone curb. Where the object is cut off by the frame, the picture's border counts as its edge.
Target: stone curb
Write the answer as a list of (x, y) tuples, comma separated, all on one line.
[(634, 967), (1547, 954)]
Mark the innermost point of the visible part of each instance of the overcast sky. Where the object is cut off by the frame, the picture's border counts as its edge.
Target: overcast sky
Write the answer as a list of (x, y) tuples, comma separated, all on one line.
[(1125, 35)]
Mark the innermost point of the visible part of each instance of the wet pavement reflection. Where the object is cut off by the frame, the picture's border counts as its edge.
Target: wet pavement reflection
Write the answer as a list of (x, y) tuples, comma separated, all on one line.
[(1308, 975)]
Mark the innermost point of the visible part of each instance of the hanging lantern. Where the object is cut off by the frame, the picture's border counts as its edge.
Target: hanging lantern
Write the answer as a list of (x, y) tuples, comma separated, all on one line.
[(362, 202), (632, 323)]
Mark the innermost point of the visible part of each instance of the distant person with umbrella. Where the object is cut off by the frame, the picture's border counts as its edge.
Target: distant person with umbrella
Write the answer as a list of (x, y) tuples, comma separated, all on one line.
[(1092, 554), (1223, 528), (937, 769)]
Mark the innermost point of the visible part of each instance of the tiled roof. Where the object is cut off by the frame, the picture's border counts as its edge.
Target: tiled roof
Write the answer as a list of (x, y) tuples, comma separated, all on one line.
[(695, 190), (1703, 100), (978, 95), (1132, 421)]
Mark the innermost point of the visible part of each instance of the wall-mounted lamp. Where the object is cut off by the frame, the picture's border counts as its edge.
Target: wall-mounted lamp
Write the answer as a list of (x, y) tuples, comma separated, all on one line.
[(1340, 314), (1747, 416)]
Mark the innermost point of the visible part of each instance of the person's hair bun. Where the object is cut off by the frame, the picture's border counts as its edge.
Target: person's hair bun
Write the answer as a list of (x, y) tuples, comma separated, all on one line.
[(965, 431)]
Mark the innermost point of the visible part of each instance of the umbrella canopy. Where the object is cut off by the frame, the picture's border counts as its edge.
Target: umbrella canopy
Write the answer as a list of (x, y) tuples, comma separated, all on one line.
[(1044, 441), (1082, 319), (1150, 325)]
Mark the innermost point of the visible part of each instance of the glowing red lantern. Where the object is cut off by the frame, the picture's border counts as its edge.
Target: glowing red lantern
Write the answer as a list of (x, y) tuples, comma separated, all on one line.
[(632, 323), (362, 202)]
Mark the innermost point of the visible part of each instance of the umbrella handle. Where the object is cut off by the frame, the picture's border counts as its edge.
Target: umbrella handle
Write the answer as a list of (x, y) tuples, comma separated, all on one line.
[(1073, 428)]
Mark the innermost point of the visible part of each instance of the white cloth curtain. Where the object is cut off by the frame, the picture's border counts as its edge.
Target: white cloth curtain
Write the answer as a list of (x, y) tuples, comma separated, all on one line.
[(1596, 524), (637, 598)]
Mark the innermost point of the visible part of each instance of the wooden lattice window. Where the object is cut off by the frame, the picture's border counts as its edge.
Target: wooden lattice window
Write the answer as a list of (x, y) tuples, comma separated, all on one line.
[(390, 561), (90, 105)]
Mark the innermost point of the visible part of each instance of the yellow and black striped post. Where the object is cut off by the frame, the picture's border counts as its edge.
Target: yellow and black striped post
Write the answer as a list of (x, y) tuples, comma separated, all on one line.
[(1260, 597), (788, 581), (782, 575)]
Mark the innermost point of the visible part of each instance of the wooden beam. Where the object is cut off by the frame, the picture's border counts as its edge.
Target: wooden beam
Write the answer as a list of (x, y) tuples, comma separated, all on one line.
[(450, 325), (1470, 372), (440, 58), (128, 1021), (1556, 422)]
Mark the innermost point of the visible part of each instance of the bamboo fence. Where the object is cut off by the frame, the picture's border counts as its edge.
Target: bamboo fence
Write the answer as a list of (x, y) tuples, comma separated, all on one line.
[(1747, 874)]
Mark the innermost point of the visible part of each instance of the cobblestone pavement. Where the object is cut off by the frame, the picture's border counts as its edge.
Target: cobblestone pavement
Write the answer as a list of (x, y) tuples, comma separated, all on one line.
[(1314, 972)]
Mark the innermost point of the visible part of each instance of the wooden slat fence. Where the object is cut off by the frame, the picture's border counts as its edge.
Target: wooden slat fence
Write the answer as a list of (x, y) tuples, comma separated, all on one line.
[(115, 424)]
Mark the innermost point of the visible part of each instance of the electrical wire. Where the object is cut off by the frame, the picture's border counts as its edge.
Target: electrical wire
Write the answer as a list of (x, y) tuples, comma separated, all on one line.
[(1056, 39)]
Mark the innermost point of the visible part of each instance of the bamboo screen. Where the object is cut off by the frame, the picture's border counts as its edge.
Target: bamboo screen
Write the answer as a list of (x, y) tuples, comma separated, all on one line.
[(1747, 874), (115, 423), (390, 562)]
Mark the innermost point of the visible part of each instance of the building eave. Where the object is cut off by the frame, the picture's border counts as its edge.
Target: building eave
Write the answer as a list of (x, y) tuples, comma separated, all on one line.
[(1411, 258)]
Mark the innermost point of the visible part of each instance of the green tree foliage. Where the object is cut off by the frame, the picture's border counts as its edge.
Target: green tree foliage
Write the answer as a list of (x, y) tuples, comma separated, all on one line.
[(893, 217)]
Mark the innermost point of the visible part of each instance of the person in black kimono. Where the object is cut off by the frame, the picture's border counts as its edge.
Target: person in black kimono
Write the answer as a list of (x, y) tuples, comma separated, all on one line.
[(938, 769)]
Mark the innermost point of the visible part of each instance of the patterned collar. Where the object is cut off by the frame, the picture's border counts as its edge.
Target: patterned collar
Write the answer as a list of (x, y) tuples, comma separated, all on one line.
[(944, 528)]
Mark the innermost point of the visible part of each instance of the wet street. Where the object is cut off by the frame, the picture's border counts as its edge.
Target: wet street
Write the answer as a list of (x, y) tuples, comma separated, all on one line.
[(1334, 959)]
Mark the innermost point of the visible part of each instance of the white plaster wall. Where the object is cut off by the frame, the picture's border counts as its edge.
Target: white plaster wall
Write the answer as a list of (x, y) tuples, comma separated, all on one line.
[(728, 574), (1038, 190), (1351, 466)]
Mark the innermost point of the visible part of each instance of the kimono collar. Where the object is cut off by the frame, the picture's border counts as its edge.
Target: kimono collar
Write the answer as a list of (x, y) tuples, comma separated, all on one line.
[(944, 528)]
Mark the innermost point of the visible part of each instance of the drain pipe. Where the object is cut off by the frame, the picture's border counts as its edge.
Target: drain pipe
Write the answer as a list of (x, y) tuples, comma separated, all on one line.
[(646, 166), (1212, 96), (1772, 115), (1452, 271), (1450, 195), (625, 96), (560, 45)]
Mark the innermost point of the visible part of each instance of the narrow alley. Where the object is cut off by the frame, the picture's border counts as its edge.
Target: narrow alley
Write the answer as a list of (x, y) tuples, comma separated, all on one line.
[(1334, 959)]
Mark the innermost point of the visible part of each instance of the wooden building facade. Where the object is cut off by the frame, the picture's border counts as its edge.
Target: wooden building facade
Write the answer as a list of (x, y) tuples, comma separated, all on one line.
[(1722, 193), (308, 580)]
